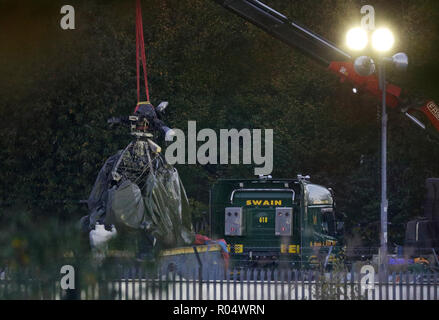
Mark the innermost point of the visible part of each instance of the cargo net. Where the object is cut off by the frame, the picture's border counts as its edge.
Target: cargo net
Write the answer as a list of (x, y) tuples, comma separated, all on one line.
[(136, 162)]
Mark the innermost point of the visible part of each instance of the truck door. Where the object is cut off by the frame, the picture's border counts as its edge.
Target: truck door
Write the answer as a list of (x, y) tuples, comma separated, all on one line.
[(264, 222)]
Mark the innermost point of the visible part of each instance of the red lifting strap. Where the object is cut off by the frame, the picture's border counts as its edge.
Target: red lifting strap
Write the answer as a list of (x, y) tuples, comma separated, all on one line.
[(140, 51)]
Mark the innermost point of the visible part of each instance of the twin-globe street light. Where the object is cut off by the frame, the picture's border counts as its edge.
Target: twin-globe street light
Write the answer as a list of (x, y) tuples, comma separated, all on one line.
[(382, 41), (358, 38)]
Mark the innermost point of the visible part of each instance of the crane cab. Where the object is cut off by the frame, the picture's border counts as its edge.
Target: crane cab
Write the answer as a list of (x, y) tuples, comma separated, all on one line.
[(269, 221)]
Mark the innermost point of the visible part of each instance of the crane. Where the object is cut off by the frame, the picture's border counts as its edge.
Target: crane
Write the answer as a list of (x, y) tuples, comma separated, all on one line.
[(331, 57)]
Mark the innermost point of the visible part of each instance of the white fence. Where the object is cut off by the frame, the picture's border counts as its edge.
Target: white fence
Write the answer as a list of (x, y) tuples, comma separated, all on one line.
[(239, 285)]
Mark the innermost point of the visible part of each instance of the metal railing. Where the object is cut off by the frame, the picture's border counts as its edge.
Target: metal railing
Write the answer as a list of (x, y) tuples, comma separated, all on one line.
[(133, 283)]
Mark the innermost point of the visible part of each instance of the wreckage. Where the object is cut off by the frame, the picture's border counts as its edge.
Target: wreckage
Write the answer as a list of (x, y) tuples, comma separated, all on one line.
[(137, 190)]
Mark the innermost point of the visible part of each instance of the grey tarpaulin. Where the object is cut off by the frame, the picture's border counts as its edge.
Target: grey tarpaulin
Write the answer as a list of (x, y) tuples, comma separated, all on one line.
[(125, 206), (154, 202), (98, 196), (167, 208)]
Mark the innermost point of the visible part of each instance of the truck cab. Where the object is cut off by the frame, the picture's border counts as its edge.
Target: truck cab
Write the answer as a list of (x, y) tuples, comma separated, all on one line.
[(274, 222)]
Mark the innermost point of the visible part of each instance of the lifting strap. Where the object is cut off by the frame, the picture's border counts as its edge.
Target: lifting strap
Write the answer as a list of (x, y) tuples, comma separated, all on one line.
[(140, 52)]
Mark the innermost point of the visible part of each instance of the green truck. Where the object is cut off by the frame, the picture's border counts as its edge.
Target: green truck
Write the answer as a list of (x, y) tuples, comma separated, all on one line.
[(275, 222)]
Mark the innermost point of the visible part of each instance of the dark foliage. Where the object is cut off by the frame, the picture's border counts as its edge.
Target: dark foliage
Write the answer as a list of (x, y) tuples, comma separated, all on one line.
[(58, 88)]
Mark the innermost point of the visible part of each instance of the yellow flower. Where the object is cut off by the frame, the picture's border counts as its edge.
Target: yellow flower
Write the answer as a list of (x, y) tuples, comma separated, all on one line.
[(16, 243)]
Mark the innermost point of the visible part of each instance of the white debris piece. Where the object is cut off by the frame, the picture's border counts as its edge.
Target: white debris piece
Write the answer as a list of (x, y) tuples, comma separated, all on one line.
[(99, 237)]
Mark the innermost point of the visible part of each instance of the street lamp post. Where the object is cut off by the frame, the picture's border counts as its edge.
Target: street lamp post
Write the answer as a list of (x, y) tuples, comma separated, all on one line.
[(382, 41), (384, 201)]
